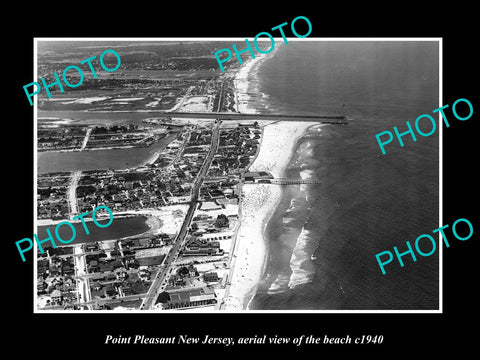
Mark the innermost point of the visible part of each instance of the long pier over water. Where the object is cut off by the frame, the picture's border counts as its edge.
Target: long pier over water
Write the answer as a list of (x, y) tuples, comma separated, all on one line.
[(324, 119), (224, 116), (284, 181)]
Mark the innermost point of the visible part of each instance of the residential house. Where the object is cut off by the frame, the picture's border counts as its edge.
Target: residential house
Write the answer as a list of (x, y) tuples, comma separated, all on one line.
[(211, 277), (56, 297)]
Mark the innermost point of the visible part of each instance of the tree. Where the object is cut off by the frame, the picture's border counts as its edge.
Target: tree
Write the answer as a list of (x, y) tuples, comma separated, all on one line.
[(222, 221), (183, 271)]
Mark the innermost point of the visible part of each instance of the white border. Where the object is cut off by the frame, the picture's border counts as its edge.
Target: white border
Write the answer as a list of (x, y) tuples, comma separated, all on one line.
[(219, 312), (440, 172)]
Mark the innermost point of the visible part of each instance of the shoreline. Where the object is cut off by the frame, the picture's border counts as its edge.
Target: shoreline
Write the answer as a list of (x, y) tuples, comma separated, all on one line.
[(266, 220), (259, 202), (154, 220), (243, 84)]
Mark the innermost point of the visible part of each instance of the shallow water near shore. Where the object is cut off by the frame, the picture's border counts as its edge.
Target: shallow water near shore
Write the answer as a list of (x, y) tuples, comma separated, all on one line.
[(366, 202)]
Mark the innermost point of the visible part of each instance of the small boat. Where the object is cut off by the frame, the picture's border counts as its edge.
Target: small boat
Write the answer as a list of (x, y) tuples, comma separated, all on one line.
[(313, 256)]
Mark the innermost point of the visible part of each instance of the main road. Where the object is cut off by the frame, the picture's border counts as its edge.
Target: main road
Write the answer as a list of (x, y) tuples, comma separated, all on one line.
[(160, 281)]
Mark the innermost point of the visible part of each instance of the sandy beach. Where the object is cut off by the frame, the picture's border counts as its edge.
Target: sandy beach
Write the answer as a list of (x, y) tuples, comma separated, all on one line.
[(166, 219), (242, 77), (258, 204), (258, 201)]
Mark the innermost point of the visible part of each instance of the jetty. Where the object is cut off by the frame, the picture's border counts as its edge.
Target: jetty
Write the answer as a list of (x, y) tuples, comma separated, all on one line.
[(164, 117), (324, 119)]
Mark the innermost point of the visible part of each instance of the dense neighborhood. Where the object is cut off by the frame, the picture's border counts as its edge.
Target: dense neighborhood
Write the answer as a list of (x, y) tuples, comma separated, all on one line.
[(119, 272)]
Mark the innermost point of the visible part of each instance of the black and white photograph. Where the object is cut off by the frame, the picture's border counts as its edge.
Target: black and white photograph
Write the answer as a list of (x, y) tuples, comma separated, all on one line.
[(260, 187), (216, 180)]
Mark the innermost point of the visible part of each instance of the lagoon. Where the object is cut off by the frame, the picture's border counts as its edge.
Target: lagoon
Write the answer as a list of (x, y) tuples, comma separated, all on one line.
[(120, 227), (114, 159)]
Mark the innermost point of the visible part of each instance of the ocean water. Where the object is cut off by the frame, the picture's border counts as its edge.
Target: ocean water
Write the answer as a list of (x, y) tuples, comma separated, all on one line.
[(366, 202)]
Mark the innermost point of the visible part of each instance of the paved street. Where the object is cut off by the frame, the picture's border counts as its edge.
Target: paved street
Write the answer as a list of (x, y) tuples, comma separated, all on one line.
[(160, 281)]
